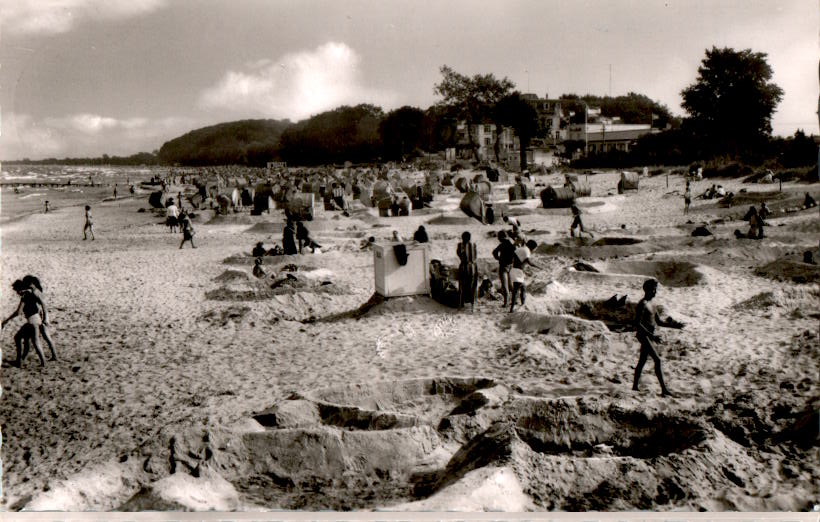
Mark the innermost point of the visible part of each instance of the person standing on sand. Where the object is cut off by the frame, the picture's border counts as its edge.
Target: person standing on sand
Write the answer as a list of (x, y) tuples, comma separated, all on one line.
[(46, 210), (576, 222), (33, 282), (467, 271), (687, 198), (187, 230), (289, 239), (521, 258), (89, 224), (504, 253), (646, 320), (115, 192), (30, 306)]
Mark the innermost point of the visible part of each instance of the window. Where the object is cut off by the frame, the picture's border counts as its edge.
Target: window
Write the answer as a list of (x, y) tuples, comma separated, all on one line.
[(486, 141), (487, 129)]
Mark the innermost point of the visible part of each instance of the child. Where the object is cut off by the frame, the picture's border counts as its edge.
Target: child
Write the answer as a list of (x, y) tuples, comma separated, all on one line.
[(89, 223), (187, 231), (29, 306), (576, 222), (646, 319), (36, 287), (258, 270), (521, 258)]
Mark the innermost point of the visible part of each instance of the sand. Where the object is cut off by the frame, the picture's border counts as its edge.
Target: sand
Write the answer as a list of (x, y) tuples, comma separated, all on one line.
[(173, 364)]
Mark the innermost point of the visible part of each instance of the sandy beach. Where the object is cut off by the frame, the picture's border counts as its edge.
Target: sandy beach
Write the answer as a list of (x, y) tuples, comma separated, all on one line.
[(185, 383)]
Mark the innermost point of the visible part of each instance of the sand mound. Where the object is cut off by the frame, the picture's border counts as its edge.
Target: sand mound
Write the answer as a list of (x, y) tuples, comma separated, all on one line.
[(790, 269), (586, 249), (552, 324), (452, 220), (390, 443), (266, 227), (668, 273), (232, 275), (231, 219)]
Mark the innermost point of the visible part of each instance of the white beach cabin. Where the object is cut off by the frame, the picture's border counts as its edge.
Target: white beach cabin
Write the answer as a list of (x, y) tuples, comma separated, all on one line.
[(395, 280)]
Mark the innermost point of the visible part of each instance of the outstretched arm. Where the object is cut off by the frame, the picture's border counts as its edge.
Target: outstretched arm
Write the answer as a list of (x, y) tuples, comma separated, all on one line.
[(15, 314), (668, 322)]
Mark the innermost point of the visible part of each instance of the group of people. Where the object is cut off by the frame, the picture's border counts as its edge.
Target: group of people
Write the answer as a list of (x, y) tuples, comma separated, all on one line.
[(32, 307)]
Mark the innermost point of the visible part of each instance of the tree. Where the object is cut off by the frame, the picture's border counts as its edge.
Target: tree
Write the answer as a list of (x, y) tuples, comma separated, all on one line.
[(402, 131), (513, 111), (471, 99), (730, 105)]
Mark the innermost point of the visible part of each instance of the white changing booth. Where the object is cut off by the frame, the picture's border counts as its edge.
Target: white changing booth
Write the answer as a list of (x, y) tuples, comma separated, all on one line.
[(393, 279)]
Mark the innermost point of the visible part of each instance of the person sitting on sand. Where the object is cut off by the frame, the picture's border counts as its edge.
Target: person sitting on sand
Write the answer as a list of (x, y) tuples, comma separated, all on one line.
[(368, 243), (809, 201), (513, 222), (577, 222), (289, 239), (258, 271), (397, 237), (420, 235), (89, 224), (33, 282), (646, 320), (258, 250), (720, 192), (521, 258), (187, 230), (467, 271), (29, 307), (504, 254)]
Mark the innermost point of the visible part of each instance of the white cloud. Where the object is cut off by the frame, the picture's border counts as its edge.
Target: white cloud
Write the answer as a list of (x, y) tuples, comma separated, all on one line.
[(60, 16), (296, 86), (21, 136), (82, 135)]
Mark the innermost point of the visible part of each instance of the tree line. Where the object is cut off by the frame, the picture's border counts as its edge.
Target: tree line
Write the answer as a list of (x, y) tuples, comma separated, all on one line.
[(729, 109)]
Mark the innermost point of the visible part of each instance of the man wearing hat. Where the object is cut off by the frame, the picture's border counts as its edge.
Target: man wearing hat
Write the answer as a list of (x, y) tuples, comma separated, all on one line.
[(646, 320)]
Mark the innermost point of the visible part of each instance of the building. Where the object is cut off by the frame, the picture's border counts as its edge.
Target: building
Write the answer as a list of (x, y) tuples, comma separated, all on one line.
[(605, 135), (549, 117), (484, 136)]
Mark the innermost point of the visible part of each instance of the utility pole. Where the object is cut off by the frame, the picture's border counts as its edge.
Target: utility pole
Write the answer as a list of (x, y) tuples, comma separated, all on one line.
[(586, 139)]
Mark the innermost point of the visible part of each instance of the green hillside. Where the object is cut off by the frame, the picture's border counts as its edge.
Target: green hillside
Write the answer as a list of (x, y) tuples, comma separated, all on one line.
[(244, 142)]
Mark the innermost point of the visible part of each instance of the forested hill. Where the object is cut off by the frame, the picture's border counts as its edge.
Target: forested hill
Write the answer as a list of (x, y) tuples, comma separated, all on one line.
[(244, 142)]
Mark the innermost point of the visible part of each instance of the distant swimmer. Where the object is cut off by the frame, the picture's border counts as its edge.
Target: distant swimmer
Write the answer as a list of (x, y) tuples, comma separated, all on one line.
[(646, 320), (89, 224)]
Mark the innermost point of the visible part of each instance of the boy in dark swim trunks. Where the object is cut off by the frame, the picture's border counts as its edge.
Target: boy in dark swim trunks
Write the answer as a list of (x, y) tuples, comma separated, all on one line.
[(646, 320)]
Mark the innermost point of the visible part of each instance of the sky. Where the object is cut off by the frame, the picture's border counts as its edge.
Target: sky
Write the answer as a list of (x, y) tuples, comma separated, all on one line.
[(90, 77)]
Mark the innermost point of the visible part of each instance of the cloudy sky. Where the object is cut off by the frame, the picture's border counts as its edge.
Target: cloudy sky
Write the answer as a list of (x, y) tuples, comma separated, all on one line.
[(87, 77)]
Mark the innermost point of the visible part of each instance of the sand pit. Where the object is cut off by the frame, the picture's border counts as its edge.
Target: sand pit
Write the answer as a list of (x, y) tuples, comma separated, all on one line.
[(668, 273), (407, 444), (791, 269)]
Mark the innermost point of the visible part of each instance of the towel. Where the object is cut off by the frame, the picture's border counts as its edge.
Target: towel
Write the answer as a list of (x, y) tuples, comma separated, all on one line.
[(401, 253)]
